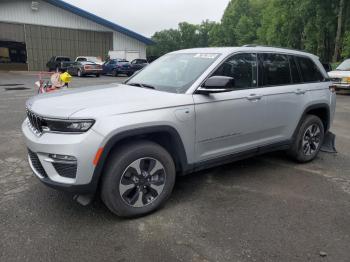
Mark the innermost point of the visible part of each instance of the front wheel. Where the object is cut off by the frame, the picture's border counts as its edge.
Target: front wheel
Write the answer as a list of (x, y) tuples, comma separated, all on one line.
[(80, 74), (139, 178), (308, 140), (114, 73)]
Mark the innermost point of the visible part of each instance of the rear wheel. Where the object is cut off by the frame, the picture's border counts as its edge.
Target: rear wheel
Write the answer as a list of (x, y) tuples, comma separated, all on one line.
[(114, 73), (97, 75), (139, 178), (309, 139)]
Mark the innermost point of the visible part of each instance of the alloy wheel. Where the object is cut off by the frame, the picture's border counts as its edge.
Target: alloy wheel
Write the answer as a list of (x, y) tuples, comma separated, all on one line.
[(142, 182), (311, 139)]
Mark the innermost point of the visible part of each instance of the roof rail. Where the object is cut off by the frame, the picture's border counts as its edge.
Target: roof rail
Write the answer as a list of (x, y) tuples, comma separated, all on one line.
[(292, 49)]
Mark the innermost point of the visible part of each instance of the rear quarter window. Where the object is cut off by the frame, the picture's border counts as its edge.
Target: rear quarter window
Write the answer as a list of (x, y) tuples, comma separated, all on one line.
[(309, 70)]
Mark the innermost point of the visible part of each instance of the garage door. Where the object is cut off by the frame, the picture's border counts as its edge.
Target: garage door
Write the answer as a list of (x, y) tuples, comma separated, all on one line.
[(43, 42), (12, 32), (131, 55)]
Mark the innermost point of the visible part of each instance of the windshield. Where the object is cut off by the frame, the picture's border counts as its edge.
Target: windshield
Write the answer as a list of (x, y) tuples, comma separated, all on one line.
[(345, 66), (93, 59), (174, 73)]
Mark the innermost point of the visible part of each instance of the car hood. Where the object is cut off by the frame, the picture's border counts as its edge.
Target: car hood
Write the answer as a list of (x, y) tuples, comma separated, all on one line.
[(339, 74), (103, 100)]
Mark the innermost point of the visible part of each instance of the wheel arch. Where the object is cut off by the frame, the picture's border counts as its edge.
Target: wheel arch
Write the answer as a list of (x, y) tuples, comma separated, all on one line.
[(320, 110), (166, 136)]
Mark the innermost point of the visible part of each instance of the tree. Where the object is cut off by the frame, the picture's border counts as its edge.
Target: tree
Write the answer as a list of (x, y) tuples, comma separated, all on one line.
[(321, 27), (339, 31)]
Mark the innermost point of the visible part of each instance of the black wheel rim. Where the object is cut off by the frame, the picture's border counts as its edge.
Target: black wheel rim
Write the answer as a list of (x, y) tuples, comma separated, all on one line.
[(311, 139), (142, 182)]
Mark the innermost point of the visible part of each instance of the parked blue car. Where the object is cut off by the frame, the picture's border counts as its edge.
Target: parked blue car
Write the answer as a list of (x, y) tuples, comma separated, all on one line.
[(116, 67)]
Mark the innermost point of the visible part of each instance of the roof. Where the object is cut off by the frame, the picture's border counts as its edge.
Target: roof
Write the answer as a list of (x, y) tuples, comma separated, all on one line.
[(80, 12)]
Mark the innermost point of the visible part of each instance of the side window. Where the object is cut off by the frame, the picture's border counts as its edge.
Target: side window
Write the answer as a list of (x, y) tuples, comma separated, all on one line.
[(294, 71), (309, 70), (275, 69), (243, 69)]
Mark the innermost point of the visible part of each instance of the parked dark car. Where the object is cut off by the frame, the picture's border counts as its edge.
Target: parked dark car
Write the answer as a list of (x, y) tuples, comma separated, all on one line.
[(115, 67), (59, 63), (85, 68), (138, 64)]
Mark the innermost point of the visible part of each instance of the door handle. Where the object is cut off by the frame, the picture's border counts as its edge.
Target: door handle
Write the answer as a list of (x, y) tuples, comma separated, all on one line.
[(253, 97), (299, 92)]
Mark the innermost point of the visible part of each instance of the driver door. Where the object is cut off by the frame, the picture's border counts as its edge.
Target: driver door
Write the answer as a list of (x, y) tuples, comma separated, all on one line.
[(231, 122)]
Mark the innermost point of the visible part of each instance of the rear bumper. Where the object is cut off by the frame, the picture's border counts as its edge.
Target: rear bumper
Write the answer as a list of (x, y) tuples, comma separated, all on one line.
[(92, 71), (125, 70)]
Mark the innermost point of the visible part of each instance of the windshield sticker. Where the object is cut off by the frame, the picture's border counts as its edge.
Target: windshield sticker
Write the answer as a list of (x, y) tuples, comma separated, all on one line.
[(207, 56)]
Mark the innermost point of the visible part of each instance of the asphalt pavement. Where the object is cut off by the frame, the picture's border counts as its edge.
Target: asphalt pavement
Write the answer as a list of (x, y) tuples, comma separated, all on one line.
[(266, 208)]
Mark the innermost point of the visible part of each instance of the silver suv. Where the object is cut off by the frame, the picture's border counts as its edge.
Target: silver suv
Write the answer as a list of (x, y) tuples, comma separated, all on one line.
[(188, 110)]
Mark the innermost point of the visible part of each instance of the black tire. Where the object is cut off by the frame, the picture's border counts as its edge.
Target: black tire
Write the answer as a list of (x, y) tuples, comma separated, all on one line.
[(115, 73), (129, 74), (79, 73), (119, 166), (306, 153), (97, 75)]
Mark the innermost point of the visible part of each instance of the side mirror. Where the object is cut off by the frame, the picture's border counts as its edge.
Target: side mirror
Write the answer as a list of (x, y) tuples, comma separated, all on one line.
[(217, 84)]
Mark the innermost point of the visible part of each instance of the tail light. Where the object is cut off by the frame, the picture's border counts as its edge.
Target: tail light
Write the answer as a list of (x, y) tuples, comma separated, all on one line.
[(332, 88)]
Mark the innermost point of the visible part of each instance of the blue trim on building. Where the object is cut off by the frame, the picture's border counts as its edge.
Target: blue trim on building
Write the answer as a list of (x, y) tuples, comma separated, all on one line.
[(80, 12)]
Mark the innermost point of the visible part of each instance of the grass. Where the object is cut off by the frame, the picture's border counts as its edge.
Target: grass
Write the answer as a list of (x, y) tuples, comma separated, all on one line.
[(335, 65)]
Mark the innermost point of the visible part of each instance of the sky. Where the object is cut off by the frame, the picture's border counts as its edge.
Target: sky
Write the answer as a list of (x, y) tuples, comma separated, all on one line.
[(149, 16)]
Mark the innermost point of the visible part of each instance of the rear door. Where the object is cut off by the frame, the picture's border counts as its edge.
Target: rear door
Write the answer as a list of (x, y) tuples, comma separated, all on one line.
[(231, 122), (281, 85)]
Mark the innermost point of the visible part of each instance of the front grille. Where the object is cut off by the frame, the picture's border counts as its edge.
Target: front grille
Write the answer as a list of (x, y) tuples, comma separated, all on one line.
[(66, 170), (36, 122), (34, 159)]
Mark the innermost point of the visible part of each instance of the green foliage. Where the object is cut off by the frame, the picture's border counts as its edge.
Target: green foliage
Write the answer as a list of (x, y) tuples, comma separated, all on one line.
[(309, 25), (346, 45)]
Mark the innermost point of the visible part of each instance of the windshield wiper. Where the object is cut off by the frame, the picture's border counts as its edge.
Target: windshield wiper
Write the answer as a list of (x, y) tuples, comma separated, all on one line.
[(141, 85)]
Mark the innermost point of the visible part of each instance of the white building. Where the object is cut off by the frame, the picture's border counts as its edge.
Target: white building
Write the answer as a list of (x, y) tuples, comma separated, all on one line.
[(31, 32)]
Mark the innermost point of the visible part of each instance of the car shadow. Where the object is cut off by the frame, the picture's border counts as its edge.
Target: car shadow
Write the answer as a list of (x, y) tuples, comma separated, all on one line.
[(185, 189)]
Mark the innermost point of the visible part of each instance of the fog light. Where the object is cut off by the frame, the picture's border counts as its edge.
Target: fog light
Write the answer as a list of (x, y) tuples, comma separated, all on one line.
[(63, 157)]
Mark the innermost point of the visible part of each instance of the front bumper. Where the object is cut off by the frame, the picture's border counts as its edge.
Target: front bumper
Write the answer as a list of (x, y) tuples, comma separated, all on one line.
[(82, 147), (342, 86)]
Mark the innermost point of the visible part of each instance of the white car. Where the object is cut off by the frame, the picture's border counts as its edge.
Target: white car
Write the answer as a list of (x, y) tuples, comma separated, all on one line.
[(93, 59), (341, 75)]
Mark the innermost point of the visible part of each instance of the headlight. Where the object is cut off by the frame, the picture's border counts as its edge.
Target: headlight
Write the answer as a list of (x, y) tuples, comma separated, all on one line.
[(67, 126), (346, 80)]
